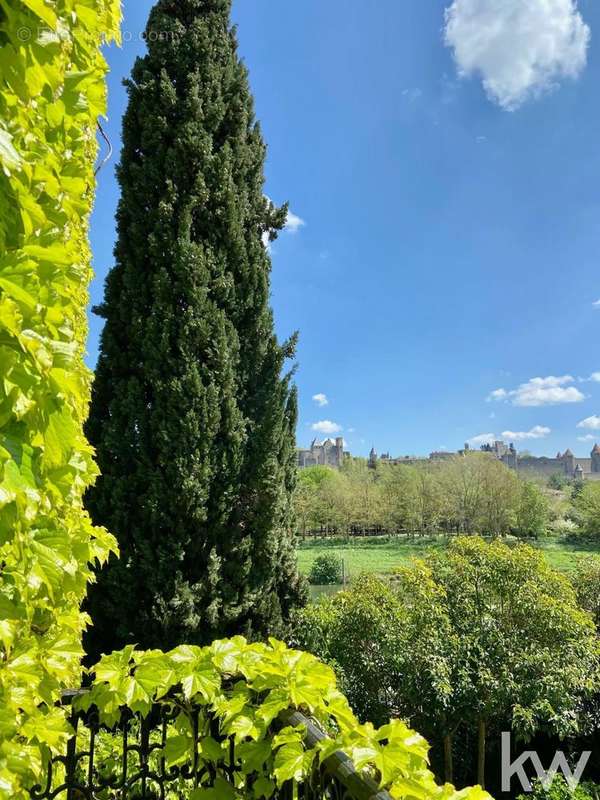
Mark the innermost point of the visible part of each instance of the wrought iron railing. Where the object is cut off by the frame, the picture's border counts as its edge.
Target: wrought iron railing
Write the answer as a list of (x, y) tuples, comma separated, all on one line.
[(129, 761)]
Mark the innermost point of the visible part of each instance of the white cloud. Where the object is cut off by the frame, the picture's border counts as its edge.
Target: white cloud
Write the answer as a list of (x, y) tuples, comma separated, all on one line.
[(497, 394), (482, 438), (351, 430), (596, 304), (519, 48), (593, 378), (293, 222), (587, 438), (547, 396), (537, 432), (321, 399), (591, 423), (550, 391), (326, 426)]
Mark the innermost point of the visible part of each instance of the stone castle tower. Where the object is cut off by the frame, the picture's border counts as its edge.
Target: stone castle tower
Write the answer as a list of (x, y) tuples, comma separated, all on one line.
[(328, 453), (569, 462)]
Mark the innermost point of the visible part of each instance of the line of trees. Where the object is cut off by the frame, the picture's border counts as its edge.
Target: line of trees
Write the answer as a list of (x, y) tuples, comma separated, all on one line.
[(472, 494)]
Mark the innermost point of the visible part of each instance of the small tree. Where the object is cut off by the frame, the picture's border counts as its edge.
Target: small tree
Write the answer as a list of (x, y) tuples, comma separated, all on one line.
[(529, 648), (532, 511), (586, 502), (326, 570)]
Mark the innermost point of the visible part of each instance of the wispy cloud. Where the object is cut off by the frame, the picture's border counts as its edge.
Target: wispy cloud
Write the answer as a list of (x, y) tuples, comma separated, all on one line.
[(596, 304), (589, 437), (326, 426), (519, 48), (321, 399), (537, 432), (549, 391), (591, 423)]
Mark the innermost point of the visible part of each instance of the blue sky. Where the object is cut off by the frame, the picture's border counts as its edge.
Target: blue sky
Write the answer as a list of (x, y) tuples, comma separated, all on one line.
[(446, 235)]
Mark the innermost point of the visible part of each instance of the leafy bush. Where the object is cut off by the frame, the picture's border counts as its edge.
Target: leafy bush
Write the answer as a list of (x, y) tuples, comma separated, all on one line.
[(51, 93), (360, 632), (558, 481), (326, 569), (429, 648), (586, 580)]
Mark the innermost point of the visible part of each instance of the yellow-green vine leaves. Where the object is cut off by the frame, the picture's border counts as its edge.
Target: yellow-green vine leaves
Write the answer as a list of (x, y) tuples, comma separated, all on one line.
[(52, 89), (245, 687)]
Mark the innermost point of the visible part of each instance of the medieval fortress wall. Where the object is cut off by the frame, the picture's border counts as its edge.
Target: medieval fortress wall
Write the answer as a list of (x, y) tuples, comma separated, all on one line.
[(330, 453)]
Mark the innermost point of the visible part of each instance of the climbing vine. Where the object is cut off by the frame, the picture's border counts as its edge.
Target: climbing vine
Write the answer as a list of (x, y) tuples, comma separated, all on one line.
[(246, 687), (52, 90)]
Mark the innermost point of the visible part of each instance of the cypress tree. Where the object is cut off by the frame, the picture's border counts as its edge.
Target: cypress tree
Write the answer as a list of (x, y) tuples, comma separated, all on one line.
[(192, 416)]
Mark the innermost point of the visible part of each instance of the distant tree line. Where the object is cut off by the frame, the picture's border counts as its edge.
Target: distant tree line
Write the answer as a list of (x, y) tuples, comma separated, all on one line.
[(472, 494)]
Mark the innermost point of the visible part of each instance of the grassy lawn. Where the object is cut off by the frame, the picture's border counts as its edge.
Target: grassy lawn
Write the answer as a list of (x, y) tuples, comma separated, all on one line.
[(564, 555), (383, 554), (366, 554)]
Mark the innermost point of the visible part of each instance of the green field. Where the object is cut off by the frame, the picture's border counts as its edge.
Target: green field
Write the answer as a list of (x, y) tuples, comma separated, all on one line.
[(384, 554)]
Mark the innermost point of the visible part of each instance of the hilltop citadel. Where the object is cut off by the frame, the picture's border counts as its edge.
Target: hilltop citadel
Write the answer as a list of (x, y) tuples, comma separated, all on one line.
[(331, 453)]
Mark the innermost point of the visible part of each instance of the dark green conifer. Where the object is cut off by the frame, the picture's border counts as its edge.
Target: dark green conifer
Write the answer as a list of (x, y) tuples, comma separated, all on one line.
[(192, 415)]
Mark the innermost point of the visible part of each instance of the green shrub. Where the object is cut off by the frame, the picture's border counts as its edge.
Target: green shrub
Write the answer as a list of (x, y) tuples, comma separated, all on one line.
[(586, 580), (426, 645), (327, 569)]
